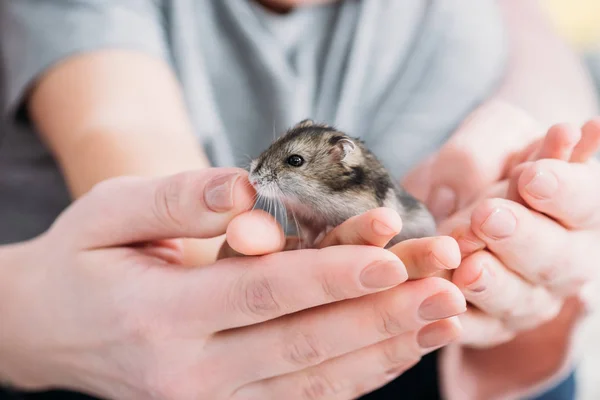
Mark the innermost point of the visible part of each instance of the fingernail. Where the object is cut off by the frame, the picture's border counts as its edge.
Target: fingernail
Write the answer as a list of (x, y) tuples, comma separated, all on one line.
[(382, 229), (501, 223), (218, 193), (383, 274), (543, 185), (442, 202), (437, 335), (479, 284), (441, 305)]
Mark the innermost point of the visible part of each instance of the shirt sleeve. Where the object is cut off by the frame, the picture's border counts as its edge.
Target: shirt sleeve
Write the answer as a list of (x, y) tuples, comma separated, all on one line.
[(37, 34)]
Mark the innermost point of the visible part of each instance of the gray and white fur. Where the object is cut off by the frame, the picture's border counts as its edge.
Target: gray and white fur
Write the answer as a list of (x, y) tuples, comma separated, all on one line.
[(323, 177)]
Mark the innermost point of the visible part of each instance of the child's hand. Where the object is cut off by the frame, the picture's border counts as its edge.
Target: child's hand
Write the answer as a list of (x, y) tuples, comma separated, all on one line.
[(524, 257)]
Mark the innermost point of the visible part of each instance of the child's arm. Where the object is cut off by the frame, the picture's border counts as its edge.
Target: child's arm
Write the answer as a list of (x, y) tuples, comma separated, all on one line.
[(110, 113)]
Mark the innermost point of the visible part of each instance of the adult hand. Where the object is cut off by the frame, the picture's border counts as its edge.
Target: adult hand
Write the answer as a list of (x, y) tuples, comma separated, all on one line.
[(422, 257), (97, 304)]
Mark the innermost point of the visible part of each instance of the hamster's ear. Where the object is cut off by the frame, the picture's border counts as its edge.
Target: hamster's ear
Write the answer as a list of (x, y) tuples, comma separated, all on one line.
[(306, 123), (345, 150)]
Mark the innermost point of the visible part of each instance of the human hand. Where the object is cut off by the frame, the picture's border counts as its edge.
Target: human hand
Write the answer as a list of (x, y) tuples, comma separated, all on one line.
[(474, 159), (119, 320), (476, 166), (533, 254)]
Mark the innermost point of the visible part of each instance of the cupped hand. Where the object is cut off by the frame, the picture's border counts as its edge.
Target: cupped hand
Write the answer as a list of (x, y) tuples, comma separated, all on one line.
[(524, 257), (422, 257), (98, 304)]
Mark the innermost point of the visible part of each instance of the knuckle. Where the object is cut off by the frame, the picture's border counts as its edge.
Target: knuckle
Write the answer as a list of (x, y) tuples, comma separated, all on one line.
[(389, 323), (547, 275), (257, 299), (168, 200), (332, 290), (304, 350), (319, 386), (398, 354)]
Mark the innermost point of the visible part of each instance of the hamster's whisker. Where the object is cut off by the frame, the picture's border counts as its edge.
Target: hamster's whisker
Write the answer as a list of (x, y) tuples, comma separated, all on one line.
[(285, 217), (297, 226), (270, 203), (255, 200), (258, 197)]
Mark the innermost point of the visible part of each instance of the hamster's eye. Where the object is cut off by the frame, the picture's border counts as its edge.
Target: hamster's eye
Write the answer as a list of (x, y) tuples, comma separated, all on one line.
[(295, 160)]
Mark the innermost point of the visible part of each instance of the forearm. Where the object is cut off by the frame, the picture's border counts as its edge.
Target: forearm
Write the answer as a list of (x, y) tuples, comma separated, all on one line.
[(544, 76), (114, 113)]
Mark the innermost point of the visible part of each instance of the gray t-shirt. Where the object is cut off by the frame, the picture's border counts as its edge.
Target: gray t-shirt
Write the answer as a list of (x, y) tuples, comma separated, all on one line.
[(399, 73)]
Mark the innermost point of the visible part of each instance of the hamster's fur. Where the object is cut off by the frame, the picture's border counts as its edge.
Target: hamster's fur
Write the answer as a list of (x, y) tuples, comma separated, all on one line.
[(323, 177)]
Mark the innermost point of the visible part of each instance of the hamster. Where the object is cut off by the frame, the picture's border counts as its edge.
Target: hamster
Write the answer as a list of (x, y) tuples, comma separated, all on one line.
[(323, 177)]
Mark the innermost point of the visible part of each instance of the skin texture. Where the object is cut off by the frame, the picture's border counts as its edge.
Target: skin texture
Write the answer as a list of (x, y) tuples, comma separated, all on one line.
[(341, 324), (545, 281), (564, 90), (517, 305), (323, 177), (77, 107)]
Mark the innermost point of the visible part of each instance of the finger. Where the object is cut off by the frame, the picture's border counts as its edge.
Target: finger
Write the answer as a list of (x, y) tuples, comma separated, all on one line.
[(130, 210), (567, 192), (475, 156), (513, 183), (309, 338), (501, 293), (532, 245), (428, 256), (589, 144), (170, 251), (559, 143), (375, 227), (249, 290), (525, 155), (255, 233), (359, 372), (481, 330), (291, 243)]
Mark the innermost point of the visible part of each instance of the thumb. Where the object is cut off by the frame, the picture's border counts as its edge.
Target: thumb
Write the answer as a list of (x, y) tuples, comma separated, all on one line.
[(129, 210), (477, 154)]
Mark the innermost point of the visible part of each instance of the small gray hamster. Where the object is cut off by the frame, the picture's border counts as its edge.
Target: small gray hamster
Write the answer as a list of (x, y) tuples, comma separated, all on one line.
[(323, 177)]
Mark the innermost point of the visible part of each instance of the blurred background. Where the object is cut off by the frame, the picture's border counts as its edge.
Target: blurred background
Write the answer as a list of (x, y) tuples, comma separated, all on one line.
[(579, 23)]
